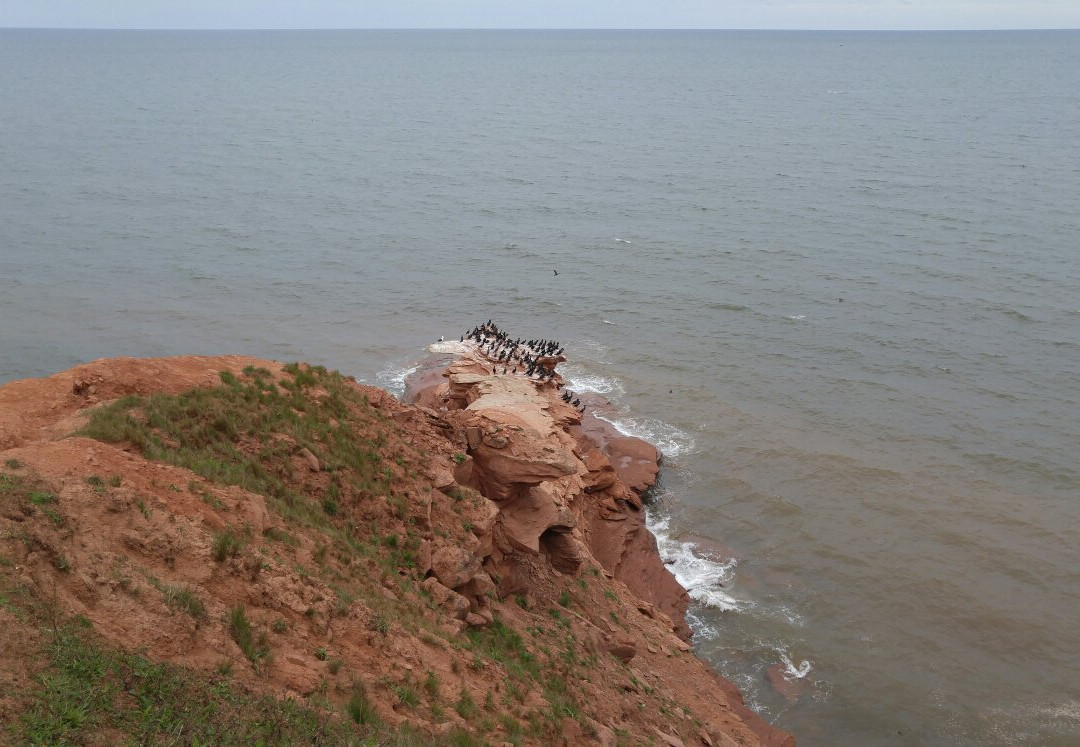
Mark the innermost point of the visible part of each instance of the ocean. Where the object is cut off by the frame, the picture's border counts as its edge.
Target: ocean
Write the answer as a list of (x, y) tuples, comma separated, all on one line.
[(834, 276)]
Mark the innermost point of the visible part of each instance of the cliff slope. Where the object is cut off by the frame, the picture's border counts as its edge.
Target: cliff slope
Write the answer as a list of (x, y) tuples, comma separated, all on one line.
[(231, 550)]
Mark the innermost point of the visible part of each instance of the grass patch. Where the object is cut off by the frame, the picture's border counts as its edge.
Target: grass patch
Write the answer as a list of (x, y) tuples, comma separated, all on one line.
[(255, 647), (226, 544), (465, 706), (184, 599), (42, 497), (406, 695), (502, 643), (89, 693), (245, 431), (360, 709)]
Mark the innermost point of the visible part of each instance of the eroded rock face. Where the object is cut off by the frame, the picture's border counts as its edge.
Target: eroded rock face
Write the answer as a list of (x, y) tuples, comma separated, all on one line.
[(531, 514), (509, 462), (566, 487)]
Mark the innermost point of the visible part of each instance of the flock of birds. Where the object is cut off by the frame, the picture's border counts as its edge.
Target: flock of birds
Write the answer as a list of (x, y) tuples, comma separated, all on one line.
[(533, 357)]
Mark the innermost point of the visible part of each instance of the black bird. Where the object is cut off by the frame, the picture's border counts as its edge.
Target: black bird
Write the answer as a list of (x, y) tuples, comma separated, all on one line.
[(556, 272), (576, 402)]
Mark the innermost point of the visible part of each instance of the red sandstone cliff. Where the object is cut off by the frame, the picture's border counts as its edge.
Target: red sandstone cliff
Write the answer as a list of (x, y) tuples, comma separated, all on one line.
[(494, 508)]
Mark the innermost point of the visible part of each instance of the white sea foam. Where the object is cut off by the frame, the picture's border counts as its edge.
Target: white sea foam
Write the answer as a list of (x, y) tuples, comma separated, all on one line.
[(703, 579), (393, 378), (791, 671), (673, 442), (579, 381)]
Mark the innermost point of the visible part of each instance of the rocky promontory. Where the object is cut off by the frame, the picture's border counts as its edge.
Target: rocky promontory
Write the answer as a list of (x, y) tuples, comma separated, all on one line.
[(230, 550)]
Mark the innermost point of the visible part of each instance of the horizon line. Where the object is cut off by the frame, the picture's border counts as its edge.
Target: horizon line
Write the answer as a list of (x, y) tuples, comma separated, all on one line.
[(533, 28)]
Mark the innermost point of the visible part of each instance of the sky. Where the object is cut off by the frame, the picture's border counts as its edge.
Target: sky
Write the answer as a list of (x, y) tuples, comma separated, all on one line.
[(706, 14)]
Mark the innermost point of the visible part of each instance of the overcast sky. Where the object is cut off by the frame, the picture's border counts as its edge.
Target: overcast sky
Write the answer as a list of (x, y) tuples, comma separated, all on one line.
[(721, 14)]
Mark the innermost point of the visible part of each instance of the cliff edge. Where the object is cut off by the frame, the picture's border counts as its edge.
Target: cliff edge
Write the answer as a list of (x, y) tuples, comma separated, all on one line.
[(231, 550)]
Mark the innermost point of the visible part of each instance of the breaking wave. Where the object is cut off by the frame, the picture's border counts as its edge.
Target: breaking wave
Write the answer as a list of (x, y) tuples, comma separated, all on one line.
[(393, 378), (704, 579)]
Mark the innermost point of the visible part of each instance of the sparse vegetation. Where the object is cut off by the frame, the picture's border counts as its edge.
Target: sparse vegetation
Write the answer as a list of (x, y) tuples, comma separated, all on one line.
[(88, 693), (353, 522), (222, 434), (406, 695), (360, 708), (226, 544), (255, 647), (184, 599), (431, 684), (465, 706)]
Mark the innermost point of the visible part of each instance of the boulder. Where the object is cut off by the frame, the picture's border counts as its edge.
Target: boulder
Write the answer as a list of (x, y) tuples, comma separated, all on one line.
[(453, 566), (623, 650), (448, 600)]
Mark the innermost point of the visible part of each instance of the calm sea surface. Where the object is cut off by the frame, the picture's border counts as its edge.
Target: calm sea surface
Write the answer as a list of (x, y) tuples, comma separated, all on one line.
[(881, 494)]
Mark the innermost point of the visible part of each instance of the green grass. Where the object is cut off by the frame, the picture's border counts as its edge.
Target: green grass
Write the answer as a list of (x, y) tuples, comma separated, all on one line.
[(360, 709), (406, 694), (431, 685), (87, 690), (465, 706), (226, 544), (503, 644), (42, 497), (184, 599), (225, 434), (255, 647)]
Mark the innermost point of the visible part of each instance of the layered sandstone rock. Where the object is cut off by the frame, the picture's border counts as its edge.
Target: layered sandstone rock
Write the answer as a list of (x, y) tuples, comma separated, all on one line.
[(566, 485)]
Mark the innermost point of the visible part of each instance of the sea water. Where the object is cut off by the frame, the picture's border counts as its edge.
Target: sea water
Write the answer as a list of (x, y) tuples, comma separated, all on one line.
[(834, 276)]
